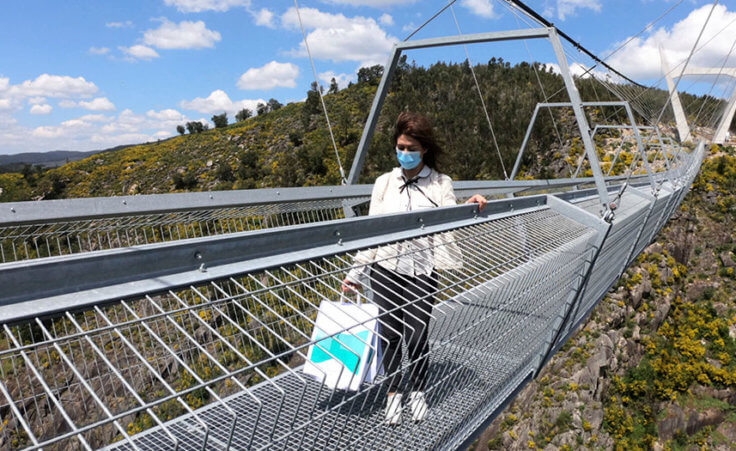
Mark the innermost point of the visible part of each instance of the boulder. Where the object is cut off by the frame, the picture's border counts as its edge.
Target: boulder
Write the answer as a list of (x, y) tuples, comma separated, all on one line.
[(727, 260), (674, 421), (708, 417), (661, 313), (728, 431), (594, 417)]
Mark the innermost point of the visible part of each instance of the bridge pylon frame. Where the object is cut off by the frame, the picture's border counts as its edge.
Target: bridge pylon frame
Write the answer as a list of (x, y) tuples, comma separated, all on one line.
[(683, 128), (549, 33)]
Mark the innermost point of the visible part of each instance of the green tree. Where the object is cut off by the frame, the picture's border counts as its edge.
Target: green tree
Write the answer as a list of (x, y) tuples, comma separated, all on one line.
[(371, 75), (180, 129), (220, 120), (333, 86), (261, 108), (225, 172), (311, 105), (274, 105), (243, 114), (186, 181)]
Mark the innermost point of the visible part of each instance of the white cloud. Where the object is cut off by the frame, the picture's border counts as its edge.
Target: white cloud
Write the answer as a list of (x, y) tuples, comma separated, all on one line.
[(48, 131), (640, 58), (569, 7), (93, 131), (271, 75), (482, 8), (577, 70), (7, 104), (196, 6), (386, 19), (37, 100), (60, 86), (184, 35), (139, 52), (98, 104), (41, 109), (126, 24), (264, 17), (217, 102), (341, 79), (374, 3), (97, 118), (166, 115), (339, 38), (77, 124), (99, 50), (4, 83)]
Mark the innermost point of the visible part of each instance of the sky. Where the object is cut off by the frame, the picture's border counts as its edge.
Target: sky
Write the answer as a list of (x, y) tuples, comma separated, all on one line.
[(92, 74)]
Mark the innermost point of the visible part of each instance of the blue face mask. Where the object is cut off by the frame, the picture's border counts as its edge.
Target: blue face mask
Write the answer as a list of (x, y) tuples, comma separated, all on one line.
[(408, 160)]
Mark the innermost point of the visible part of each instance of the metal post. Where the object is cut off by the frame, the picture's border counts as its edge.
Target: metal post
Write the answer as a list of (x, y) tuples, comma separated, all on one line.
[(615, 157), (639, 142), (577, 107), (370, 124), (524, 143), (680, 119)]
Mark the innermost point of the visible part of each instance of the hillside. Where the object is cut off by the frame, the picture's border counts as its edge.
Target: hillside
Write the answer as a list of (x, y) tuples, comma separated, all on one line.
[(654, 367), (291, 146)]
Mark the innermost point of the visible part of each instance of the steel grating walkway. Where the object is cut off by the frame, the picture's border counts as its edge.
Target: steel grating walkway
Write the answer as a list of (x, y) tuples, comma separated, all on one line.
[(356, 421)]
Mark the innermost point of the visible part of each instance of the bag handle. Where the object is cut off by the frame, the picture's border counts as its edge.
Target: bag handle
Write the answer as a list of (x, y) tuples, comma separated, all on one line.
[(346, 298)]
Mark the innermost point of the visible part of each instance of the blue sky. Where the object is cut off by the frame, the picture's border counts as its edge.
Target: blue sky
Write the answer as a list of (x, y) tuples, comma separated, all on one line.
[(91, 74)]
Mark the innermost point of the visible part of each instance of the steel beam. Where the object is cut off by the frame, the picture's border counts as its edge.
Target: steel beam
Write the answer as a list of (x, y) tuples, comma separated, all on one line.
[(64, 210), (495, 36), (382, 91), (582, 120), (370, 124), (58, 210), (45, 286)]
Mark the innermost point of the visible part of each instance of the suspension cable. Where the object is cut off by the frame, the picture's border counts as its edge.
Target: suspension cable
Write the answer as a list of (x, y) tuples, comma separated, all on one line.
[(529, 11), (480, 94), (539, 82), (430, 20), (343, 179)]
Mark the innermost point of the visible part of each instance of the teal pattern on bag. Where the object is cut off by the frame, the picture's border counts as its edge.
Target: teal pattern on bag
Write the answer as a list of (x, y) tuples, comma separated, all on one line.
[(347, 350)]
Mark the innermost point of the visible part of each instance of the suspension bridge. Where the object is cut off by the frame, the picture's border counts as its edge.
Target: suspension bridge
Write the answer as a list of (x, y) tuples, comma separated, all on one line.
[(183, 321)]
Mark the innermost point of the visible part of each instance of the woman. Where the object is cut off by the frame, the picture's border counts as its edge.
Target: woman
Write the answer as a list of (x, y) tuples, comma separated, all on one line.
[(403, 277)]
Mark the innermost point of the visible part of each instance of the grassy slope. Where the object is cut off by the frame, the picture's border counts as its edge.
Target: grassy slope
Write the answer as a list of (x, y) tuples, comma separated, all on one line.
[(661, 345)]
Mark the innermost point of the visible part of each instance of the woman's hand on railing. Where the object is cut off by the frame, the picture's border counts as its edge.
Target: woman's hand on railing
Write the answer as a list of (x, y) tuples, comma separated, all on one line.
[(478, 199), (350, 287)]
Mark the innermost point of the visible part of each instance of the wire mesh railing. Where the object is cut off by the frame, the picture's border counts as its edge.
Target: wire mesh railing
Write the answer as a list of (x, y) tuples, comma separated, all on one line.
[(115, 370), (31, 230), (28, 232)]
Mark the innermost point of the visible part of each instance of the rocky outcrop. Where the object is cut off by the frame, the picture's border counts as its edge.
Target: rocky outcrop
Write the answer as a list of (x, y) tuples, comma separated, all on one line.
[(691, 264)]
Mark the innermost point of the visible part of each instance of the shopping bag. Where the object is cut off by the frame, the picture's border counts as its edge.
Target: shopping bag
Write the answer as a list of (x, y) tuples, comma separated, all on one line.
[(346, 346)]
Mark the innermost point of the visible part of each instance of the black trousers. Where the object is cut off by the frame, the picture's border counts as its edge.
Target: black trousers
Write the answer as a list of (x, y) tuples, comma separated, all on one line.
[(408, 318)]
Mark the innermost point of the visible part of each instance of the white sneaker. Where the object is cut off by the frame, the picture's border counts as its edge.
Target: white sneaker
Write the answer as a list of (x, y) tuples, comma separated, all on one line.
[(393, 409), (418, 405)]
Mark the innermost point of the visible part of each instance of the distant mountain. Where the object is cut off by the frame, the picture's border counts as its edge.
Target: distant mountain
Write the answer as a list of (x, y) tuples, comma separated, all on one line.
[(52, 158)]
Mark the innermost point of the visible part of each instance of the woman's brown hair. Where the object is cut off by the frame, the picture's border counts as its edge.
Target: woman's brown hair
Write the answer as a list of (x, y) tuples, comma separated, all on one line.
[(418, 127)]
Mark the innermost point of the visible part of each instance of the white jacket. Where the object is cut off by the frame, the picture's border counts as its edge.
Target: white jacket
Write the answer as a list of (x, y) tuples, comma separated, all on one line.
[(428, 253)]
